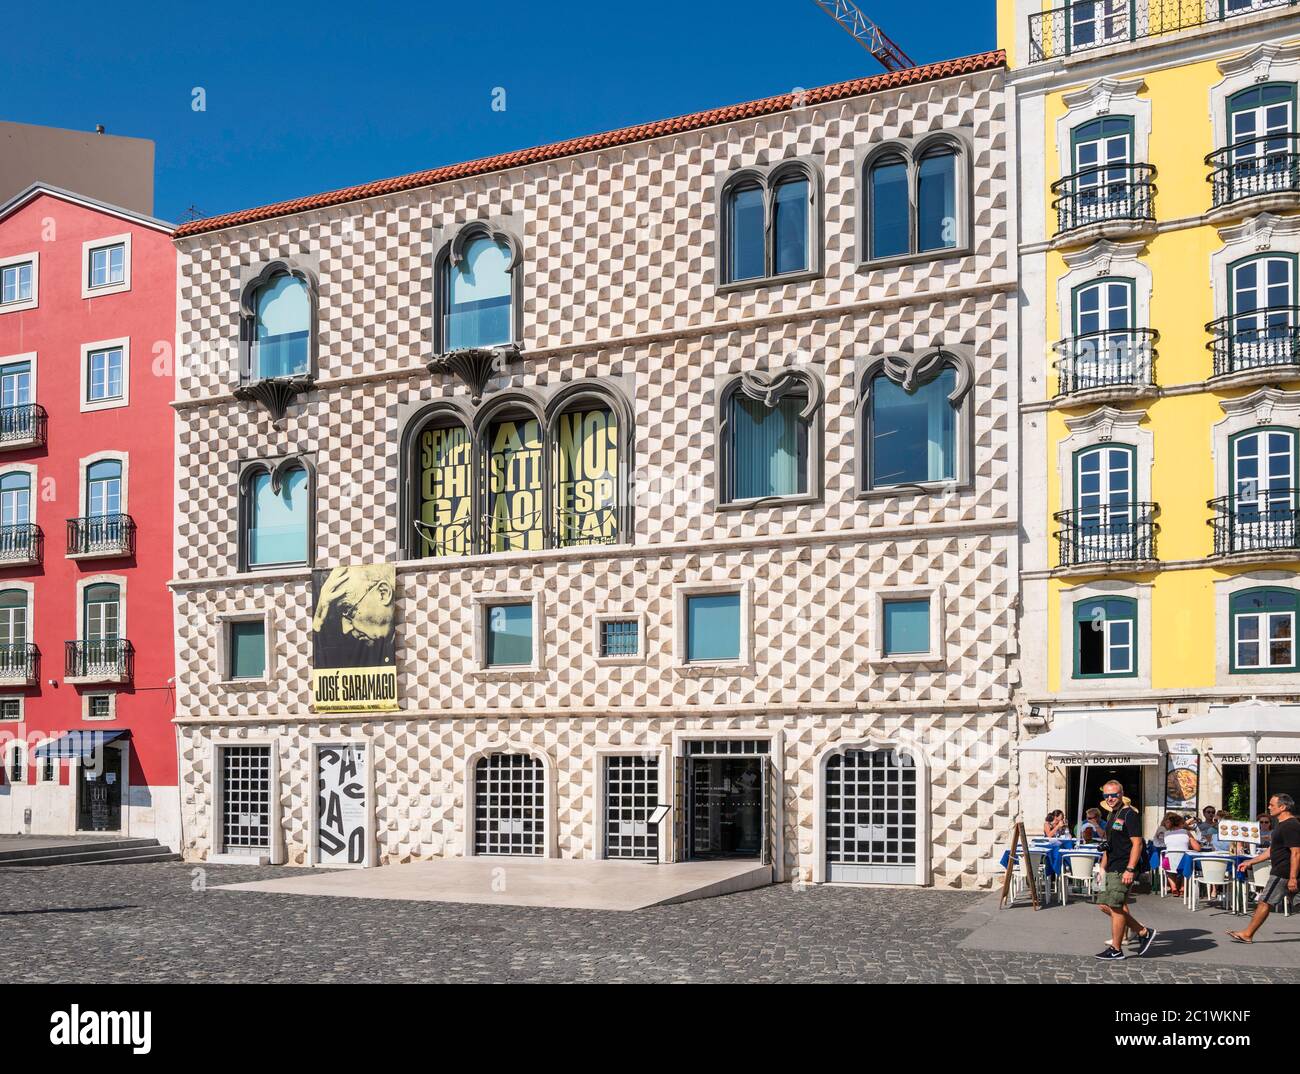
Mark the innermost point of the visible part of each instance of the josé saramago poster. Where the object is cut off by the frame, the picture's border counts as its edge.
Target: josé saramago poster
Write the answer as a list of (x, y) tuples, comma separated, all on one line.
[(354, 641)]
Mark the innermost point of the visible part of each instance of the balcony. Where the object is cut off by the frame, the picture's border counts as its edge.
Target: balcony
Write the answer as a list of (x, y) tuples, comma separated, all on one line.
[(20, 665), (22, 427), (1259, 527), (1107, 536), (1105, 202), (21, 546), (1259, 347), (1100, 367), (98, 661), (101, 537), (1087, 25), (1253, 176)]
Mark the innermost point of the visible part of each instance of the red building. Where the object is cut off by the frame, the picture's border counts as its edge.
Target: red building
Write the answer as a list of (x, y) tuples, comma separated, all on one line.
[(87, 327)]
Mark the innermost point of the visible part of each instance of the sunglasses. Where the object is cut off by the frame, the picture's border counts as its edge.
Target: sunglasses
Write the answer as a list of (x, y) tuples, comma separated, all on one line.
[(1108, 797)]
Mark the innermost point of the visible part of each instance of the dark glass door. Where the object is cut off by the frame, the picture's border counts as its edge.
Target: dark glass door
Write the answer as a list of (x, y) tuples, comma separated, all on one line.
[(726, 807), (99, 794)]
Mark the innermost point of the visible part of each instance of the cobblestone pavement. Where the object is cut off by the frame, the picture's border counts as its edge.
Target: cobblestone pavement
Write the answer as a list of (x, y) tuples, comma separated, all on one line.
[(135, 923)]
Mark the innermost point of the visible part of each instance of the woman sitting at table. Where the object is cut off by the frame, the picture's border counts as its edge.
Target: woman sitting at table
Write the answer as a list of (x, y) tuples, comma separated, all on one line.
[(1178, 840), (1091, 832), (1054, 827)]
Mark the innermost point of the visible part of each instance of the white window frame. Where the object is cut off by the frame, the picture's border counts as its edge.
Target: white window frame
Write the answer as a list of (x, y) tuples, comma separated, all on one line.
[(30, 303), (224, 649), (876, 628), (28, 359), (600, 618), (21, 709), (105, 579), (112, 706), (1264, 640), (88, 248), (479, 605), (83, 487), (681, 595), (87, 349)]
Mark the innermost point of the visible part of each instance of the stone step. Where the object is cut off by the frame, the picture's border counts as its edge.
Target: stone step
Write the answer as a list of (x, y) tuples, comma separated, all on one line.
[(88, 853)]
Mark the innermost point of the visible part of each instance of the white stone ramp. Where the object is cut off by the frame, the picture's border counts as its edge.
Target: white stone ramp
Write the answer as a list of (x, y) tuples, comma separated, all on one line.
[(559, 883)]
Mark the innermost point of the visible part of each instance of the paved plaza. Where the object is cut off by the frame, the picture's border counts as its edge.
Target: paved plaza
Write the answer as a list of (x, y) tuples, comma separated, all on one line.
[(141, 923)]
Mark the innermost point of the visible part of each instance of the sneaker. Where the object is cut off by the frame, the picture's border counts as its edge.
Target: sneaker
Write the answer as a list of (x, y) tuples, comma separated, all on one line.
[(1145, 942), (1109, 954)]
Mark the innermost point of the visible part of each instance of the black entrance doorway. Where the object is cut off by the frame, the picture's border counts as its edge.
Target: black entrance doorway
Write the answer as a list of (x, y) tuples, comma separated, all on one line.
[(99, 793), (1129, 776), (726, 807)]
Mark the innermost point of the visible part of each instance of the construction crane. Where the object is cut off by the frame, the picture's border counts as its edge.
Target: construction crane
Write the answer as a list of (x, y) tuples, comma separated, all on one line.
[(867, 34)]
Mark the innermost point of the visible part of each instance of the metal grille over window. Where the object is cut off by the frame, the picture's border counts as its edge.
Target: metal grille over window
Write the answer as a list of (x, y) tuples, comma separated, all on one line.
[(631, 795), (716, 746), (509, 805), (246, 798), (619, 637), (871, 817)]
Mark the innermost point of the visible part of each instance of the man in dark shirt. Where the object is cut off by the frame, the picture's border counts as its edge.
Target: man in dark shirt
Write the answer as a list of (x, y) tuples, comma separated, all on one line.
[(1121, 852), (1283, 857)]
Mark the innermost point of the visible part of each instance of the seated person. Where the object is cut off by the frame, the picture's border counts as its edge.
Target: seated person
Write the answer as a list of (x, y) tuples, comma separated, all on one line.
[(1178, 840), (1092, 831), (1054, 827), (1265, 831), (1208, 826)]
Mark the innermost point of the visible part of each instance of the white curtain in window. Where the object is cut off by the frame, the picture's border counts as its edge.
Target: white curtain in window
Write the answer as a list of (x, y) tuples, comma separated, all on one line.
[(768, 448)]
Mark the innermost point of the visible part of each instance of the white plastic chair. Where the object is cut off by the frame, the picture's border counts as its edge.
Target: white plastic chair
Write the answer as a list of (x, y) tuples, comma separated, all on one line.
[(1078, 868), (1036, 860), (1175, 859), (1210, 873), (1258, 880)]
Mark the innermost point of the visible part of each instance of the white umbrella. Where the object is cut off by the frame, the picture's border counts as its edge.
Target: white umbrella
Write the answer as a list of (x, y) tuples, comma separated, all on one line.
[(1089, 741), (1251, 720)]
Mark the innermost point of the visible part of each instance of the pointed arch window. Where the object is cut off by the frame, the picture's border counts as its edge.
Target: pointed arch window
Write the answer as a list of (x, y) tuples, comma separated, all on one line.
[(479, 279), (914, 421), (914, 198), (278, 314), (276, 515), (771, 228), (769, 438)]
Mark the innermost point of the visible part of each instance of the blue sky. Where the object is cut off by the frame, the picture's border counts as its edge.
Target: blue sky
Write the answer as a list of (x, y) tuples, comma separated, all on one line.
[(312, 97)]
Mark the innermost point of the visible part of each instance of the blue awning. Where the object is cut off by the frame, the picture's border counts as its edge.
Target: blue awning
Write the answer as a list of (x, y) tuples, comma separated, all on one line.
[(79, 744)]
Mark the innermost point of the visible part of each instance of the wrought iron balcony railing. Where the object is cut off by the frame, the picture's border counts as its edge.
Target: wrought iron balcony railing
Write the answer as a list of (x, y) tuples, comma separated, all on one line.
[(1266, 165), (101, 536), (99, 660), (23, 426), (20, 545), (19, 663), (1255, 340), (1107, 533), (1263, 522), (1091, 24), (1106, 193), (1119, 358)]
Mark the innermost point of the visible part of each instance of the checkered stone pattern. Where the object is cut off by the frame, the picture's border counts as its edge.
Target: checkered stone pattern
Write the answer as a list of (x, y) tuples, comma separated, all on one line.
[(424, 802), (619, 282)]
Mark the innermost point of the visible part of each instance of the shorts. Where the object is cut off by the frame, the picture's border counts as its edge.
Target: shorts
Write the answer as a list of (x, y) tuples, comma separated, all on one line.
[(1275, 893), (1114, 892)]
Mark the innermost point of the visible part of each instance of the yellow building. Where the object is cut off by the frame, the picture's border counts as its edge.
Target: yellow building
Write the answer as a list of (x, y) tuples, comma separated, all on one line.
[(1159, 241)]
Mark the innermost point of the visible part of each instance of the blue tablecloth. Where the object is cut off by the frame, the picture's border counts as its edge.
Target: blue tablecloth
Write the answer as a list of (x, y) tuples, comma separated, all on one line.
[(1185, 866), (1052, 852)]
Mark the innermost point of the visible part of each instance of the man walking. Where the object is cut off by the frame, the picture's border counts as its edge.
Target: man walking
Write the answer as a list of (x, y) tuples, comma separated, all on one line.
[(1283, 857), (1121, 852)]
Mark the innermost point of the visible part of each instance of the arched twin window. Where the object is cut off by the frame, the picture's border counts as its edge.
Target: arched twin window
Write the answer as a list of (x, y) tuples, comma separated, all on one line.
[(275, 515), (478, 290), (914, 199), (914, 420), (278, 323), (520, 475), (769, 436), (771, 228)]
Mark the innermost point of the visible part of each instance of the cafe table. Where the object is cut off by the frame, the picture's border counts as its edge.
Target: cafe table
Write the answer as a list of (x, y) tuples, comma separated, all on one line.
[(1237, 885)]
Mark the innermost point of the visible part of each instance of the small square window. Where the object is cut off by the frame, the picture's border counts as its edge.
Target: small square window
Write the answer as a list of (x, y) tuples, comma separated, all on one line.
[(99, 706), (907, 627), (620, 637), (247, 642), (16, 283), (104, 374), (11, 708), (509, 634), (108, 265), (712, 627)]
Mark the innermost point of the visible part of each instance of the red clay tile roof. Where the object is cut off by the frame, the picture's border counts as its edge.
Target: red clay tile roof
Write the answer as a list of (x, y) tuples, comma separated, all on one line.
[(928, 73)]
